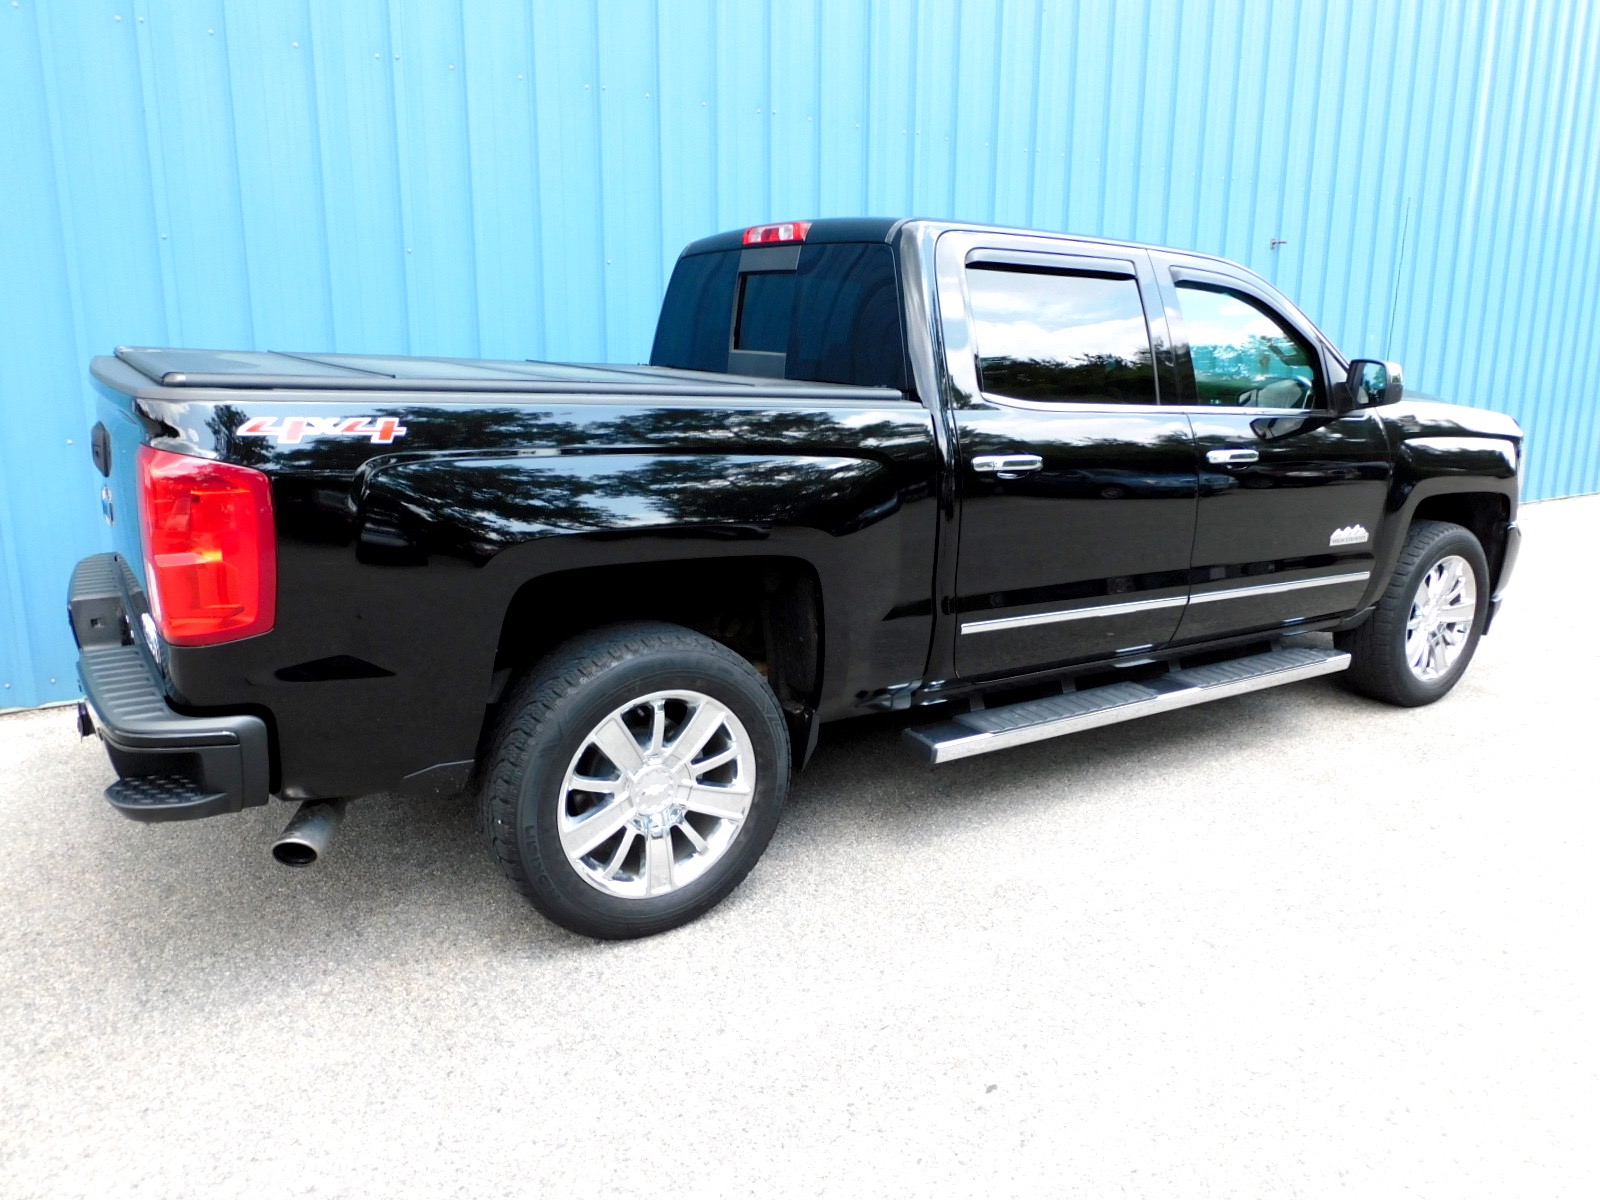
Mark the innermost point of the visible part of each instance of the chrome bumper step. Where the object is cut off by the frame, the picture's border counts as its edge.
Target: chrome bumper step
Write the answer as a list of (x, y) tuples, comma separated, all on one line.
[(1072, 712)]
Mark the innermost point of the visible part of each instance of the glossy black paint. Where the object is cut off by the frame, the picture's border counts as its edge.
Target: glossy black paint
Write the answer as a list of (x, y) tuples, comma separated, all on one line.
[(397, 563), (515, 483), (1273, 520), (1108, 519)]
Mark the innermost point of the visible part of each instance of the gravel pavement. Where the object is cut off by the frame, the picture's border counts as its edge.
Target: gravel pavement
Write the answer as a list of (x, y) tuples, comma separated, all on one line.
[(1290, 944)]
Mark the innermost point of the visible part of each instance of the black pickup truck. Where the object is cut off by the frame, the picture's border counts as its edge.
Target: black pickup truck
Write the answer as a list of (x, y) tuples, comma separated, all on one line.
[(1032, 483)]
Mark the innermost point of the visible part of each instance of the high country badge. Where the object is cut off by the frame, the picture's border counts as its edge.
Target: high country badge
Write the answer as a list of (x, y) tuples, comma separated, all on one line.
[(1350, 535)]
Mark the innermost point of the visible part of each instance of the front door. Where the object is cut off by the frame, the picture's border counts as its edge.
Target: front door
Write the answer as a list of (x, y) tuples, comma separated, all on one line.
[(1291, 493), (1077, 489)]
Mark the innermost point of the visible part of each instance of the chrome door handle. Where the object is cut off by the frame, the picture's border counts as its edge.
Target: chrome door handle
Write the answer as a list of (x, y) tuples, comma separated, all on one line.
[(1006, 466), (1232, 455)]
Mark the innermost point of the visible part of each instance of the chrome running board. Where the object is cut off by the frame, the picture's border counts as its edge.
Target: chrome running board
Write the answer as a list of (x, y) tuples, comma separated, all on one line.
[(1072, 712)]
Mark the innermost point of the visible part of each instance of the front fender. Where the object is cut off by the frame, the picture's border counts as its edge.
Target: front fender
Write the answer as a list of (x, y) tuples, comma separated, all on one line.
[(1432, 465)]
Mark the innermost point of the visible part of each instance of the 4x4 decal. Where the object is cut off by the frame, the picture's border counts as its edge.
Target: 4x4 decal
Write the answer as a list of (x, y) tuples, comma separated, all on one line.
[(291, 430)]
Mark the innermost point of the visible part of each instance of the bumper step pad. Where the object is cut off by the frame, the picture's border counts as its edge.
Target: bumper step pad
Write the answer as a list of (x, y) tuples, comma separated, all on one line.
[(157, 797), (1072, 712)]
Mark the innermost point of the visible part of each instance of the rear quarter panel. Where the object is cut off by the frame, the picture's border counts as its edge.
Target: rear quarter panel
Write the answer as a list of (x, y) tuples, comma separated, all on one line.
[(397, 562)]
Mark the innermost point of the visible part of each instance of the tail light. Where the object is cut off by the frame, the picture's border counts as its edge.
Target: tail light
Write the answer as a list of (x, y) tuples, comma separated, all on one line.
[(210, 557), (787, 231)]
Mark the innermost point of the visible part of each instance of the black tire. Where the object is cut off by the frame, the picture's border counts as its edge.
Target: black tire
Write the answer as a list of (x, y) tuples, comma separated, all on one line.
[(1378, 661), (548, 717)]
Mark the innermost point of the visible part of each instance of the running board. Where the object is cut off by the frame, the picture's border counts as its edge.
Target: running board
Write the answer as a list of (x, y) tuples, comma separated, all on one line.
[(1072, 712)]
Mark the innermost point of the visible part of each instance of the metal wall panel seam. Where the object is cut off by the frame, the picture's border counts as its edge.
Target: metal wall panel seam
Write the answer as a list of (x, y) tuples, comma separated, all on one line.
[(37, 643), (1461, 305), (1523, 276), (1413, 325), (1581, 309), (319, 180), (58, 144), (818, 137), (1502, 214), (470, 210), (1580, 475), (396, 61), (158, 180), (1036, 149), (1572, 277), (600, 77), (1254, 191), (997, 74), (1409, 184), (1507, 218), (18, 663), (238, 177), (1202, 120), (1169, 145), (1449, 253)]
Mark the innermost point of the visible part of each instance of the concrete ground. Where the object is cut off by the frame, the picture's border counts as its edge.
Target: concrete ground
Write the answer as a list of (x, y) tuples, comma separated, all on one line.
[(1291, 944)]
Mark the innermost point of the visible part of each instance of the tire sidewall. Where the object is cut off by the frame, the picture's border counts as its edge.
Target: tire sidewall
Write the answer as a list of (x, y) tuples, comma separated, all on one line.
[(1461, 543), (577, 902)]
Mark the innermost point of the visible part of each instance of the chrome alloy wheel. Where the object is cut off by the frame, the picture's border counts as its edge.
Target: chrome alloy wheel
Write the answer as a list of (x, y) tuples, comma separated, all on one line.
[(1441, 617), (656, 794)]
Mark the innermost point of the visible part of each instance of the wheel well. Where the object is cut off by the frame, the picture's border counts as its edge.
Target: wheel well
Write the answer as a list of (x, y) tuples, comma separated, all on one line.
[(1485, 514), (768, 610)]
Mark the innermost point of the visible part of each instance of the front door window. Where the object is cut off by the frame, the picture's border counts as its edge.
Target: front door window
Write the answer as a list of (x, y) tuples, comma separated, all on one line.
[(1244, 357)]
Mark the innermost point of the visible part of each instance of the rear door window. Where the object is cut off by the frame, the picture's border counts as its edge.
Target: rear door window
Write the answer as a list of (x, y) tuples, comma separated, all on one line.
[(1061, 336)]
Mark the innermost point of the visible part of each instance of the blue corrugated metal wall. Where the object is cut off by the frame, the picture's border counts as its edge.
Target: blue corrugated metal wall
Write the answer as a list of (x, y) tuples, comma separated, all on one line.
[(470, 177)]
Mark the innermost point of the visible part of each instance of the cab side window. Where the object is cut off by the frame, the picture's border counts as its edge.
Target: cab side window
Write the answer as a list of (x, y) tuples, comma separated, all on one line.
[(1243, 356), (1061, 336)]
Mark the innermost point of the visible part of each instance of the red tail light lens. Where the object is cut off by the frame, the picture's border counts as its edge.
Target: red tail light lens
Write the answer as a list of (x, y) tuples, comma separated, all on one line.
[(210, 557), (788, 231)]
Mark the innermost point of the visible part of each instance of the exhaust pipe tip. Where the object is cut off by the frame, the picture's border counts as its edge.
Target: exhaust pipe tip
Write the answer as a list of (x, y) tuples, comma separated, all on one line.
[(309, 833)]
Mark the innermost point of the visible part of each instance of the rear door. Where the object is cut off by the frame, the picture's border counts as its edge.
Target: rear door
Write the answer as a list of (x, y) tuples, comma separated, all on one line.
[(1291, 493), (1077, 489)]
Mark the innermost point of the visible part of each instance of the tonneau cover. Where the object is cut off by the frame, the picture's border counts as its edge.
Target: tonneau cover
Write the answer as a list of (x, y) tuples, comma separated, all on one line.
[(267, 369)]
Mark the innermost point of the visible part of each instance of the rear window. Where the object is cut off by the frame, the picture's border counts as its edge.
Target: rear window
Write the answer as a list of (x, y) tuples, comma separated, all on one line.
[(687, 335), (834, 319), (765, 312)]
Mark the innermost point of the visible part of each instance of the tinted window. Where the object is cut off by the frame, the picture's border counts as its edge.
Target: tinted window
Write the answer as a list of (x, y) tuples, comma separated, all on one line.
[(836, 318), (848, 310), (1244, 357), (692, 332), (766, 311), (1061, 336)]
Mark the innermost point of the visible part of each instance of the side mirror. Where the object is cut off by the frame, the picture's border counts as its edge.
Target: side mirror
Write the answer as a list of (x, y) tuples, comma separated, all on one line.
[(1371, 382)]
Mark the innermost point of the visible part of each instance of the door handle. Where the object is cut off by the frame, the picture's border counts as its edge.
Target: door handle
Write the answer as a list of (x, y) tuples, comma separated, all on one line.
[(1006, 466), (1232, 456)]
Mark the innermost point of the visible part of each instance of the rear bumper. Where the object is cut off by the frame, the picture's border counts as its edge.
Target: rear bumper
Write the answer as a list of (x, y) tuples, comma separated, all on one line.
[(170, 766)]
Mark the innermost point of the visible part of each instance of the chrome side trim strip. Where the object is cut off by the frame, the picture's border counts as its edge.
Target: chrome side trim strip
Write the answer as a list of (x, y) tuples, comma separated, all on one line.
[(1272, 589), (1072, 614), (1133, 606)]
